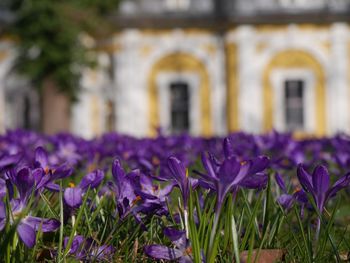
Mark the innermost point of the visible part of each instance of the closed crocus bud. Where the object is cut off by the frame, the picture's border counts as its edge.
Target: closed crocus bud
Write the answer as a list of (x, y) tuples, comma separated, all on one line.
[(91, 180), (73, 197)]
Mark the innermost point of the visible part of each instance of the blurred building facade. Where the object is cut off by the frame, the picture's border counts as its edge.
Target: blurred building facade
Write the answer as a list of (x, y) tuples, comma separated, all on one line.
[(209, 67)]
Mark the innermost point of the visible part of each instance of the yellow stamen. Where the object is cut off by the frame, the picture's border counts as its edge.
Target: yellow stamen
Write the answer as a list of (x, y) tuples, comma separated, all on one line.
[(91, 167), (136, 200), (188, 251), (155, 188), (186, 173), (297, 190), (155, 160), (126, 155), (285, 162), (71, 185), (46, 170)]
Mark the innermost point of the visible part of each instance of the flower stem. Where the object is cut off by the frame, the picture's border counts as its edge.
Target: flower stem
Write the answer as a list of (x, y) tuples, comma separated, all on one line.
[(186, 223), (213, 232)]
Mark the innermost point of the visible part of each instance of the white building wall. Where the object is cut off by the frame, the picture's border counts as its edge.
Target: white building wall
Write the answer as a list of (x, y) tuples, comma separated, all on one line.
[(339, 96), (256, 48), (88, 114), (139, 51), (5, 65), (134, 62)]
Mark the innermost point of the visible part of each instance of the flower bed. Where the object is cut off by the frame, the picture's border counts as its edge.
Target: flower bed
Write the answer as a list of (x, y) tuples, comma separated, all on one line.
[(244, 198)]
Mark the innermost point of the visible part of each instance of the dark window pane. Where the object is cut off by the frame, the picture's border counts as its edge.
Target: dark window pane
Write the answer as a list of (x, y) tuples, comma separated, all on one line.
[(179, 103), (294, 108), (26, 113)]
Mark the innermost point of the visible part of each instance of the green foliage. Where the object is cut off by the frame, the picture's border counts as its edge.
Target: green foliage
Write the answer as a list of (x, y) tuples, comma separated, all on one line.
[(49, 35), (238, 228)]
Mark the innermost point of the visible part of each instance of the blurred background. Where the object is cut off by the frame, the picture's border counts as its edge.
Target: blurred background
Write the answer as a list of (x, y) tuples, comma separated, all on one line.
[(203, 67)]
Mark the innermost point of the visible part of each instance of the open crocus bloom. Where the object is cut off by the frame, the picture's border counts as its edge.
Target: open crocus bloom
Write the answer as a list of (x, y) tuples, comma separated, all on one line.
[(27, 182), (182, 251), (318, 184), (87, 249), (28, 225)]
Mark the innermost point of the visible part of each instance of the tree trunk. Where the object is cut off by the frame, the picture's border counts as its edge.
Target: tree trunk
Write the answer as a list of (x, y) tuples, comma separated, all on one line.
[(55, 109)]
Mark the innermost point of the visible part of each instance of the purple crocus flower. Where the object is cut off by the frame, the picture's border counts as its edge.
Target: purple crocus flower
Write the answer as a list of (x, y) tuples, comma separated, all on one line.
[(87, 249), (7, 161), (318, 185), (229, 175), (223, 177), (180, 175), (287, 200), (153, 196), (123, 188), (27, 181), (73, 194), (91, 180), (3, 188), (51, 172), (73, 197), (182, 251)]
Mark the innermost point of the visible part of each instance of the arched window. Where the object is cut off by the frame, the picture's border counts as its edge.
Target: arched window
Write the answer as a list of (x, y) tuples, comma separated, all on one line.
[(179, 107), (22, 107), (294, 105), (26, 112)]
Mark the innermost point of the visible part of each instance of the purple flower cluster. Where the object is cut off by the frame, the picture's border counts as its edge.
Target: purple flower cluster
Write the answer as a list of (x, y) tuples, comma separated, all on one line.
[(139, 175)]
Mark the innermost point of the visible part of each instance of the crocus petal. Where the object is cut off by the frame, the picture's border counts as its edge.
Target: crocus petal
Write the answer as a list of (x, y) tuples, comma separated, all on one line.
[(162, 252), (41, 157), (256, 181), (44, 224), (243, 172), (228, 171), (166, 190), (103, 253), (178, 237), (188, 259), (179, 173), (208, 167), (259, 164), (77, 242), (177, 169), (286, 201), (2, 223), (2, 215), (145, 196), (228, 150), (338, 185), (26, 234), (53, 187), (92, 179), (62, 171), (38, 175), (304, 179), (280, 182), (2, 210), (320, 179), (73, 197), (117, 170), (9, 160), (24, 182), (173, 234), (2, 188)]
